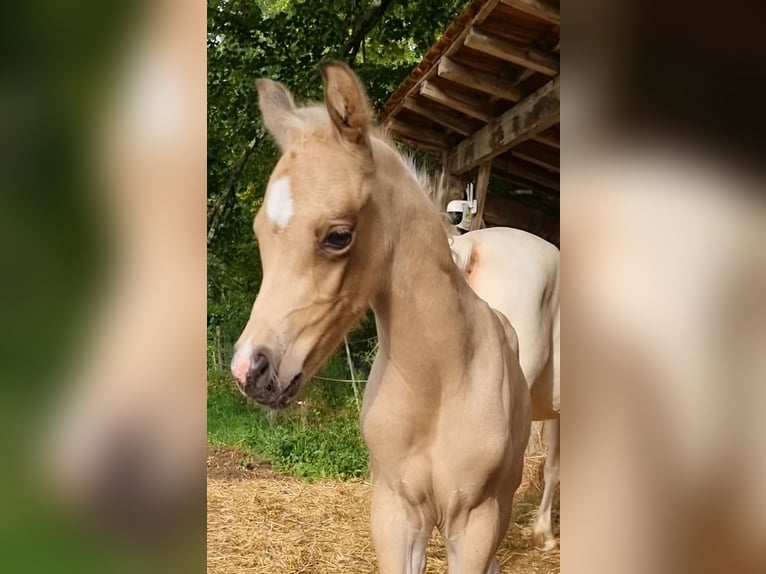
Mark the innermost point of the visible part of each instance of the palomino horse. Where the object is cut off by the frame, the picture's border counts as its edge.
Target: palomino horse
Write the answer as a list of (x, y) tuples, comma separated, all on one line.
[(446, 412), (517, 273)]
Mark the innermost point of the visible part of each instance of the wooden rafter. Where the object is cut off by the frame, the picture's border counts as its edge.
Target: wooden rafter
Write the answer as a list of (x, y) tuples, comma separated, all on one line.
[(478, 80), (535, 113), (538, 154), (548, 138), (452, 121), (533, 159), (426, 135), (538, 8), (526, 56), (490, 58), (525, 74), (425, 146), (454, 35), (468, 105), (525, 173)]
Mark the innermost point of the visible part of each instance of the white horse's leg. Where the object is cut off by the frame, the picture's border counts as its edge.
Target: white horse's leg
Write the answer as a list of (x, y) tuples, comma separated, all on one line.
[(472, 550), (542, 534), (400, 533)]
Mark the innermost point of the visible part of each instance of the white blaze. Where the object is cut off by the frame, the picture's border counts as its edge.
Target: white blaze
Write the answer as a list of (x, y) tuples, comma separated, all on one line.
[(279, 203)]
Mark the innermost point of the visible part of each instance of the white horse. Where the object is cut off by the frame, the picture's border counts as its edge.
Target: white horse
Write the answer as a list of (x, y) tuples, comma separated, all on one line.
[(517, 273)]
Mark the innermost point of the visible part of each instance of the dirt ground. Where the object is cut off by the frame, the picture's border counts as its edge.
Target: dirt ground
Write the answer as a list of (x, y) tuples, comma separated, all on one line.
[(261, 522)]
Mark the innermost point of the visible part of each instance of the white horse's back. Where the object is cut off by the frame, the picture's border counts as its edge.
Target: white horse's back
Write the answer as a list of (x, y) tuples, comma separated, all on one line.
[(517, 273)]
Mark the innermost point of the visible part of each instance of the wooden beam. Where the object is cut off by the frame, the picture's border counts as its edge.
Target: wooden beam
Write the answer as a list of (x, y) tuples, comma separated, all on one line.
[(478, 80), (430, 148), (527, 173), (548, 138), (522, 77), (526, 56), (529, 158), (535, 113), (538, 154), (456, 124), (426, 135), (538, 8), (482, 183), (525, 74), (468, 105)]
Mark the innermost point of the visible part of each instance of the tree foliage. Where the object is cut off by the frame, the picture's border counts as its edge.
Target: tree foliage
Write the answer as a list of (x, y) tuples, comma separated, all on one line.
[(286, 40)]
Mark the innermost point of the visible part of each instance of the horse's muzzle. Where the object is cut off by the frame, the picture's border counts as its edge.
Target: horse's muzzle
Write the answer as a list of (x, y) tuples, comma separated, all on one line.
[(261, 382)]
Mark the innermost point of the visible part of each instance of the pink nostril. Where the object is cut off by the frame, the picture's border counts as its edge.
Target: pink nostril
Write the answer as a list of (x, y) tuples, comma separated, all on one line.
[(248, 365)]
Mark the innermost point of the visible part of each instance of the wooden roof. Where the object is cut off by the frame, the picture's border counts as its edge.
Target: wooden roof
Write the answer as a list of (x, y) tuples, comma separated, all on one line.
[(487, 93)]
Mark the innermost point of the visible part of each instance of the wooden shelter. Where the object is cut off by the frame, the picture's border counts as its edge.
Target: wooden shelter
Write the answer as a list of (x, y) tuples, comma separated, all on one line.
[(487, 96)]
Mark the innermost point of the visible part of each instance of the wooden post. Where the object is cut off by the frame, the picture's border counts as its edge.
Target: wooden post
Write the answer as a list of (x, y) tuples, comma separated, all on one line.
[(482, 183), (353, 375), (440, 196), (219, 348)]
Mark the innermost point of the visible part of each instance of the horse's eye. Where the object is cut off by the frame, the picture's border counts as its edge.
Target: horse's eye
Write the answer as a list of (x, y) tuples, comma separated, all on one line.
[(338, 239)]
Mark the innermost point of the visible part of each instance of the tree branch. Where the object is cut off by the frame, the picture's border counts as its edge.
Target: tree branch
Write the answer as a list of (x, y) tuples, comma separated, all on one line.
[(365, 22), (216, 212)]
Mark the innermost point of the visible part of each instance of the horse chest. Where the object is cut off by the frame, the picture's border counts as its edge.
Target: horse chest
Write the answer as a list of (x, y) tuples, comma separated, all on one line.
[(426, 460), (442, 457), (390, 436)]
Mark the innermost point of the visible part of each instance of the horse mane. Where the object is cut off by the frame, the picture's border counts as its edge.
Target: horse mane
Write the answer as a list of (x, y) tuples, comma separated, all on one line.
[(440, 189), (424, 179), (434, 186)]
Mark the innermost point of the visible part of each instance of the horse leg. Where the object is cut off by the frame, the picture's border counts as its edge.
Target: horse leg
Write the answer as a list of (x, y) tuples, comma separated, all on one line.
[(400, 533), (472, 549), (542, 534)]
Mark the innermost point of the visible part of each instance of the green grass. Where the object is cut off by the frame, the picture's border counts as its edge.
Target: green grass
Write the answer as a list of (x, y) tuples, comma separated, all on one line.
[(316, 441)]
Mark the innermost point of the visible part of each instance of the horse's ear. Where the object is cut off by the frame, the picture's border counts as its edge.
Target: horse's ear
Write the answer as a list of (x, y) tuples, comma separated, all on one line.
[(348, 108), (278, 111)]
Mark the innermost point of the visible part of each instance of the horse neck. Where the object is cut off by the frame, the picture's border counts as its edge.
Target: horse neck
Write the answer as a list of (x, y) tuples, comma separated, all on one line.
[(422, 310)]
